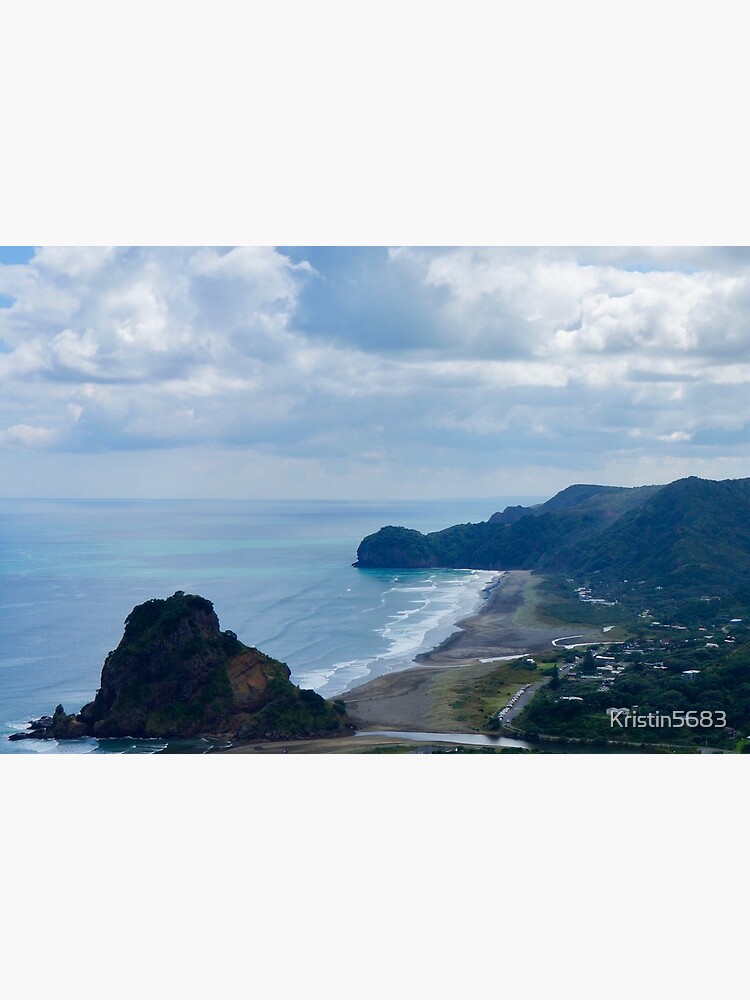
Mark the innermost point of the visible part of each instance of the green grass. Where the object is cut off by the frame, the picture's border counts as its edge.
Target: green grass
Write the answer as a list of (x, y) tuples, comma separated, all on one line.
[(468, 697), (553, 600)]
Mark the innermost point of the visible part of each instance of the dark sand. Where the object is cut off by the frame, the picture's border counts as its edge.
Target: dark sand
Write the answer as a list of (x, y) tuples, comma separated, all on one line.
[(506, 625), (340, 744)]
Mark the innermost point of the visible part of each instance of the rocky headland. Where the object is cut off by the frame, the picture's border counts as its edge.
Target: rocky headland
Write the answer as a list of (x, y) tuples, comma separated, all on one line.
[(689, 538), (176, 674)]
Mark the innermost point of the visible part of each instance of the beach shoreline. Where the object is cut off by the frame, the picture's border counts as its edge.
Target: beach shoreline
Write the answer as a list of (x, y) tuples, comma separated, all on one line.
[(506, 626), (494, 631), (406, 699)]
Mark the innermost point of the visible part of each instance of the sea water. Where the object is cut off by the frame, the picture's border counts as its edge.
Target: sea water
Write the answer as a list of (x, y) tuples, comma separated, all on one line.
[(279, 574)]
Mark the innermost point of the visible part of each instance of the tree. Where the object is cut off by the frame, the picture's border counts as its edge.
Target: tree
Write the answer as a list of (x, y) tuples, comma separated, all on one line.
[(588, 666)]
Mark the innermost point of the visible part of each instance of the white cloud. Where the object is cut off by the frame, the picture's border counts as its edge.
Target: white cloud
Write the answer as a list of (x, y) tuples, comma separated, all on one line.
[(27, 436), (76, 263), (503, 359), (675, 436)]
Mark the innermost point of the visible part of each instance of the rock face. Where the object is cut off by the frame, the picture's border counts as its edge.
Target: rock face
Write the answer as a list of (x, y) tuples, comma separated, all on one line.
[(175, 673)]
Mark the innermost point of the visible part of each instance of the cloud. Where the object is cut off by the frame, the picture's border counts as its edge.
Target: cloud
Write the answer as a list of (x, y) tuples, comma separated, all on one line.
[(27, 436), (361, 366), (140, 314)]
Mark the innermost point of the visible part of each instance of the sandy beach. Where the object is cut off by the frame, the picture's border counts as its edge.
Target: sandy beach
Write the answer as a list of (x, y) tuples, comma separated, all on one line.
[(423, 696), (420, 698), (507, 624)]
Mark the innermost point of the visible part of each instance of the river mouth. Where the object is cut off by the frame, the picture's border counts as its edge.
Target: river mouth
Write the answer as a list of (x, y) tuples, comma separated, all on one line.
[(470, 739), (482, 740)]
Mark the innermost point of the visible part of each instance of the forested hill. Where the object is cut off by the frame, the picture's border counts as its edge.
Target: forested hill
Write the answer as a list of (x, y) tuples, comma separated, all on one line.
[(692, 534)]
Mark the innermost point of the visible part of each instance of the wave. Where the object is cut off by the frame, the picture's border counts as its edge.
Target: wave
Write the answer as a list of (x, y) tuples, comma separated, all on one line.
[(407, 631)]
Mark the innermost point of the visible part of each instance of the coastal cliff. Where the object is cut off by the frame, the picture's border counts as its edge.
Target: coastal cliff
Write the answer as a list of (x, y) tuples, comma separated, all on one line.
[(690, 537), (176, 674)]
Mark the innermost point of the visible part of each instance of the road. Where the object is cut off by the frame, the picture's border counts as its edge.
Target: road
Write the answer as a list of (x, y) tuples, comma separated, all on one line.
[(529, 694)]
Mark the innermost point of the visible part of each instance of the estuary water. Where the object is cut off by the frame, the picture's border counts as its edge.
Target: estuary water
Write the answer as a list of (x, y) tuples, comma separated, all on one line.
[(279, 574)]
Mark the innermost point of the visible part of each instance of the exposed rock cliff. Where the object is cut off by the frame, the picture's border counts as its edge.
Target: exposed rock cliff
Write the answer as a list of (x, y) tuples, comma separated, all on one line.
[(175, 673)]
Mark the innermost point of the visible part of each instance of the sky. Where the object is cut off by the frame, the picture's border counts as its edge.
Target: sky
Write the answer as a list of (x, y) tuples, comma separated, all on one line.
[(369, 372)]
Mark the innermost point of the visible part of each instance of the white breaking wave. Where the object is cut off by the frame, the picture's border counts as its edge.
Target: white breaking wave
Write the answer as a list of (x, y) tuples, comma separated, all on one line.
[(408, 632)]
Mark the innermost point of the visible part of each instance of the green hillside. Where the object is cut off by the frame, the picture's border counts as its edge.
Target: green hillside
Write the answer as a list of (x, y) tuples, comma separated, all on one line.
[(694, 534), (691, 537)]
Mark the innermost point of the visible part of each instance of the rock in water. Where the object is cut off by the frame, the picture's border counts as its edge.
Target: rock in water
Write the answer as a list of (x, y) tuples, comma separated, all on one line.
[(67, 727), (175, 673)]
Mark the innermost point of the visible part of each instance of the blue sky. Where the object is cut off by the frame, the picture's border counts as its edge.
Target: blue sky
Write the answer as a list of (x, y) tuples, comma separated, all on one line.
[(16, 255), (370, 371)]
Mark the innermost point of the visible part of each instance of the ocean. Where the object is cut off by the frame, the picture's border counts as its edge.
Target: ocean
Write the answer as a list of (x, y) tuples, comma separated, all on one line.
[(278, 573)]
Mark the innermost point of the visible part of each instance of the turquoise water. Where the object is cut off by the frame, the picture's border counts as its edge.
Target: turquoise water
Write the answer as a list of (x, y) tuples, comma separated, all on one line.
[(279, 575)]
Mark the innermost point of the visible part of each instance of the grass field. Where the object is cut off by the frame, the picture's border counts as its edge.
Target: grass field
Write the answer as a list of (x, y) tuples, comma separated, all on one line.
[(466, 698), (552, 600)]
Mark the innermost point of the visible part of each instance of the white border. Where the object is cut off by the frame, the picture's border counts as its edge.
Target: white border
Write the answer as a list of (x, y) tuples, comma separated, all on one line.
[(409, 123)]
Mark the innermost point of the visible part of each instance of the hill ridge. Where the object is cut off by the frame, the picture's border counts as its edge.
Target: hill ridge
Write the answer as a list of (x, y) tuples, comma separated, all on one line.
[(690, 534)]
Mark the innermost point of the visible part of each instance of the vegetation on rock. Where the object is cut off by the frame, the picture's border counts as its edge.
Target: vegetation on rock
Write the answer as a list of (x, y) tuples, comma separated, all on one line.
[(175, 674), (691, 537)]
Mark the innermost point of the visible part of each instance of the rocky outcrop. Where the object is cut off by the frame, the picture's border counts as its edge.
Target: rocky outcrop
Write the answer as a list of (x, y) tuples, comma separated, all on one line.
[(59, 726), (67, 727), (397, 546), (175, 674)]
